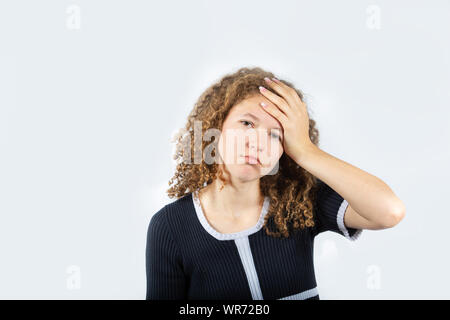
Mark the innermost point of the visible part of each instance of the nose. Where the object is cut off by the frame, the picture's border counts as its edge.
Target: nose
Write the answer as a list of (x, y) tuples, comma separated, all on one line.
[(253, 145)]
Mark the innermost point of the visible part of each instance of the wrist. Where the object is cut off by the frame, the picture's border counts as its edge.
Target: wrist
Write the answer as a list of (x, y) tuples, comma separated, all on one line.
[(304, 151)]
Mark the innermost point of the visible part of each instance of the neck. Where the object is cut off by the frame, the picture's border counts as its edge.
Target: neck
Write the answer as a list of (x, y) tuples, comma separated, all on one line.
[(236, 198)]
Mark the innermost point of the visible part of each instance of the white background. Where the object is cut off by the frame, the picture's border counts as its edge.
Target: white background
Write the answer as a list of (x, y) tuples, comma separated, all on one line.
[(91, 93)]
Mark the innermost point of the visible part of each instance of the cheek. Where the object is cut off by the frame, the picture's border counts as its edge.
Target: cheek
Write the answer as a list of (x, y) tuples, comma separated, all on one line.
[(280, 148), (274, 151), (226, 148), (232, 141), (279, 154)]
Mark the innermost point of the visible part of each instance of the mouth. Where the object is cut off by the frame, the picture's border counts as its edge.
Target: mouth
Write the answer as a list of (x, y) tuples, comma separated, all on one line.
[(252, 160)]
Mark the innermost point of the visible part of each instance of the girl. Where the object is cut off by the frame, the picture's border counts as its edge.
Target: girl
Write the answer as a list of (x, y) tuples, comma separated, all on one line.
[(244, 222)]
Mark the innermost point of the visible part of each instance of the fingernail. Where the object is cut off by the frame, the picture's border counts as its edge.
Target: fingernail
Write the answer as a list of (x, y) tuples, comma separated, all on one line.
[(267, 79), (275, 79), (263, 104), (262, 88)]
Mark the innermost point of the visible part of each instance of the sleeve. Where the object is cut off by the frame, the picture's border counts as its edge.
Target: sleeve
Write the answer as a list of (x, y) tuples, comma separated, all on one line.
[(329, 210), (164, 269)]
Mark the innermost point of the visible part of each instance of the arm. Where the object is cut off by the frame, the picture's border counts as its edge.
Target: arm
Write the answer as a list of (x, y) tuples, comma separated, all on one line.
[(372, 204), (164, 267)]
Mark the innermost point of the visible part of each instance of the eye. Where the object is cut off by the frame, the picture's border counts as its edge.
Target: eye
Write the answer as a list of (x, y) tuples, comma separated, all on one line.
[(245, 121), (276, 136), (273, 135)]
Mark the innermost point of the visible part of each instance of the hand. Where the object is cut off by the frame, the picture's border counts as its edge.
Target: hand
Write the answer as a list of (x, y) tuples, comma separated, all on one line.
[(291, 112)]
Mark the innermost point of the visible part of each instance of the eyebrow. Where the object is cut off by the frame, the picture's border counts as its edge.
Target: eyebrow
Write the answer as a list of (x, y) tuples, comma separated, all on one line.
[(257, 119)]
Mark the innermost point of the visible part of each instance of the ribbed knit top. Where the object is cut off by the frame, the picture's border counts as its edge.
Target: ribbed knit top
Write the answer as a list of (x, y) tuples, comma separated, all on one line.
[(186, 258)]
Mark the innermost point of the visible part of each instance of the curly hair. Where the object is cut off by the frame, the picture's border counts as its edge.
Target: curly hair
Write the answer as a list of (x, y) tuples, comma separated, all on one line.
[(291, 189)]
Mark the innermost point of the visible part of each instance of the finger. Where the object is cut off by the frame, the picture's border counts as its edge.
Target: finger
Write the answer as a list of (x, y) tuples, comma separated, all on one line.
[(288, 93), (294, 93), (276, 99), (297, 99), (276, 113)]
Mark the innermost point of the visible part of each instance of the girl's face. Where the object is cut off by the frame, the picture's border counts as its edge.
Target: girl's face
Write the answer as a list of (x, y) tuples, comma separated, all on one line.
[(248, 130)]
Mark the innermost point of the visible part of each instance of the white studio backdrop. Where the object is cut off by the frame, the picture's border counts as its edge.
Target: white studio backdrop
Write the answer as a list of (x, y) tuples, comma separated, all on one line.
[(91, 93)]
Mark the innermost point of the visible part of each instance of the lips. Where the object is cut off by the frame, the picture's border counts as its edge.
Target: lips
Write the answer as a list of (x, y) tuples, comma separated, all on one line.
[(252, 160)]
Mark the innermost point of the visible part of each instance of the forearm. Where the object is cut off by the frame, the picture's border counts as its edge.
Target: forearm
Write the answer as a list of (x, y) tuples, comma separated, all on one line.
[(366, 194)]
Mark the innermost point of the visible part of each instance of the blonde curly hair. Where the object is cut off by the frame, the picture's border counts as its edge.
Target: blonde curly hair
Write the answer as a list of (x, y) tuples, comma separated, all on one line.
[(291, 190)]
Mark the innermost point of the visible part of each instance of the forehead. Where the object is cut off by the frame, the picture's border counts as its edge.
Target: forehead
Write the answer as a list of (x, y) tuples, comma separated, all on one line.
[(252, 105)]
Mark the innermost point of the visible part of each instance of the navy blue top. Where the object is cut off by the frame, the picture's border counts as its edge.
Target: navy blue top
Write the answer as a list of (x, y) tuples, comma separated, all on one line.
[(186, 258)]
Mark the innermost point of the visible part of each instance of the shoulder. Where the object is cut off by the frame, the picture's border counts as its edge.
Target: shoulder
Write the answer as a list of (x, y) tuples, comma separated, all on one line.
[(173, 215), (180, 205), (158, 221)]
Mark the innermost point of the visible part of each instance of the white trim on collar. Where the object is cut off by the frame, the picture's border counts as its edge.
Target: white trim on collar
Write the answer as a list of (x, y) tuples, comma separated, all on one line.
[(228, 236)]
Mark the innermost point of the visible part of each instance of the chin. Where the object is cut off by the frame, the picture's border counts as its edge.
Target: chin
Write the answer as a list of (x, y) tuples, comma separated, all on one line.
[(245, 172)]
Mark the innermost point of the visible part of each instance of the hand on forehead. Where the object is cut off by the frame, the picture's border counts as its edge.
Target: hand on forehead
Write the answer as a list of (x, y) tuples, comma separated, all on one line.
[(251, 108)]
